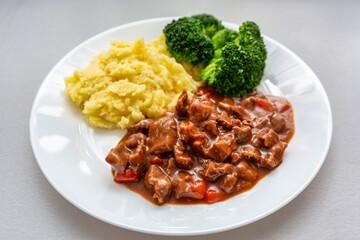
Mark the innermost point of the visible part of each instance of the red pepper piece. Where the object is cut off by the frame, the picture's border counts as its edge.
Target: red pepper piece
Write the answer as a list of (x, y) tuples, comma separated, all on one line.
[(281, 106), (199, 189), (264, 104), (212, 196), (127, 176)]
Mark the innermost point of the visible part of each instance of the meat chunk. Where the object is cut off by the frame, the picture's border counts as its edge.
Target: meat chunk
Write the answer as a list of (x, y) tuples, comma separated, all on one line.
[(137, 159), (212, 171), (141, 127), (240, 112), (236, 111), (237, 122), (200, 110), (225, 121), (246, 153), (162, 135), (222, 148), (277, 122), (182, 158), (235, 157), (158, 182), (268, 161), (261, 122), (248, 103), (278, 150), (251, 154), (210, 127), (135, 139), (274, 158), (242, 134), (189, 133), (228, 182), (270, 137), (198, 147), (130, 151), (169, 166), (245, 171), (247, 123), (266, 137), (136, 143), (182, 104), (186, 185), (256, 141), (118, 157)]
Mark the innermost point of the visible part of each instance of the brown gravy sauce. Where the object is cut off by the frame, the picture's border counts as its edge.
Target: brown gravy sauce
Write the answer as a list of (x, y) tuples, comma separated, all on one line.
[(266, 114)]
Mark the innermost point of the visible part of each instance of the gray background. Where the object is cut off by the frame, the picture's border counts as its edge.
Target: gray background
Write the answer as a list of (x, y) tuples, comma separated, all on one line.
[(34, 35)]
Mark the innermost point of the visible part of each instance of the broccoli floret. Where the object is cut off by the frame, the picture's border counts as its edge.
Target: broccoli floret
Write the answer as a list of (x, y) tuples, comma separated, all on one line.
[(249, 29), (223, 36), (187, 42), (224, 73), (211, 24), (240, 66), (252, 43)]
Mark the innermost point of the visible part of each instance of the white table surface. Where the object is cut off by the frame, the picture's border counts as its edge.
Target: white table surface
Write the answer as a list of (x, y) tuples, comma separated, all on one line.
[(34, 35)]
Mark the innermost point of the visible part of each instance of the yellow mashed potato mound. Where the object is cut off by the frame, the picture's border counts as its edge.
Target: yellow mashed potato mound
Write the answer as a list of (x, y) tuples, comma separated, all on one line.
[(130, 81)]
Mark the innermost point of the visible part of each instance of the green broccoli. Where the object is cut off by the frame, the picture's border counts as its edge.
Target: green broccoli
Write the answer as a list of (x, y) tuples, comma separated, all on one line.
[(249, 29), (211, 24), (239, 66), (223, 36), (187, 42), (251, 42)]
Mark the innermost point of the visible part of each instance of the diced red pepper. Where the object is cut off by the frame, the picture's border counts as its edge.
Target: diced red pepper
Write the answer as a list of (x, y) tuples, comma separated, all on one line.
[(212, 196), (281, 106), (127, 176), (208, 94), (156, 160), (200, 189), (264, 104)]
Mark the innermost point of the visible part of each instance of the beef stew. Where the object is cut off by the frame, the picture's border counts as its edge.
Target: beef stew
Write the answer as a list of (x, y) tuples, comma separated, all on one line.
[(208, 149)]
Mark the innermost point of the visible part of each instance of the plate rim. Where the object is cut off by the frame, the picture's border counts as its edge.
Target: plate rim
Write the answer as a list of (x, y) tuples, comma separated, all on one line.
[(192, 232)]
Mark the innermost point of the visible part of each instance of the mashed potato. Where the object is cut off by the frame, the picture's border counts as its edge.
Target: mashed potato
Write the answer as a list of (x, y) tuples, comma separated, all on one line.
[(128, 82)]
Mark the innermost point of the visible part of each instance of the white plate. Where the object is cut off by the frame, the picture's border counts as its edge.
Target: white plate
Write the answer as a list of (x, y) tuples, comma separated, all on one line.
[(71, 153)]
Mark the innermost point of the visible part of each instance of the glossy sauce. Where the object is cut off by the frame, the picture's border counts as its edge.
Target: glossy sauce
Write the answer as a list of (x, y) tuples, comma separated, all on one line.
[(265, 114)]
